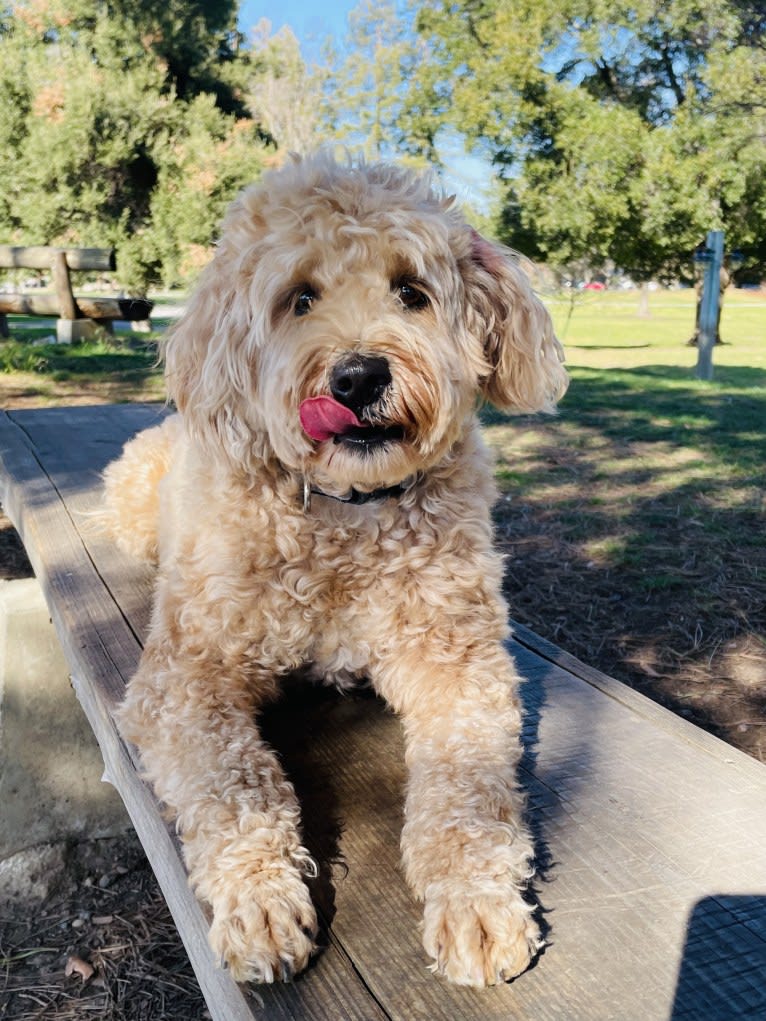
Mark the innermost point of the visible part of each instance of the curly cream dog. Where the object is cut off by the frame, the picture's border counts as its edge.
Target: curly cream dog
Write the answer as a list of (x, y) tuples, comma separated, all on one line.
[(325, 500)]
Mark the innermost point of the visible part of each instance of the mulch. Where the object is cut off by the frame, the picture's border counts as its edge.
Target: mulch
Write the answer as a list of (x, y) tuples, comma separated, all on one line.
[(100, 945)]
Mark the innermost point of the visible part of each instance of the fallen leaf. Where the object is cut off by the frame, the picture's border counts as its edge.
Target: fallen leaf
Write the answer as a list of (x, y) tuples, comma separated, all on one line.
[(76, 966)]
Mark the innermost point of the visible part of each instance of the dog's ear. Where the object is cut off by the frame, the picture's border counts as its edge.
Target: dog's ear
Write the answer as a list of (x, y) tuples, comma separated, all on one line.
[(520, 347), (208, 354)]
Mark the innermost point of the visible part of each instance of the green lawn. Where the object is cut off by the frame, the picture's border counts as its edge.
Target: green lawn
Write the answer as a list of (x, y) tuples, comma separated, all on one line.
[(605, 330), (634, 520)]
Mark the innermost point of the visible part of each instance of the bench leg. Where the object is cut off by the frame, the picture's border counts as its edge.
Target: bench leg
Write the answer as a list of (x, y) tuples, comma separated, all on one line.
[(70, 331)]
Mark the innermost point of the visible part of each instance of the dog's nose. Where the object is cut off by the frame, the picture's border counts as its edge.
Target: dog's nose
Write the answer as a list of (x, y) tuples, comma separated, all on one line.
[(360, 380)]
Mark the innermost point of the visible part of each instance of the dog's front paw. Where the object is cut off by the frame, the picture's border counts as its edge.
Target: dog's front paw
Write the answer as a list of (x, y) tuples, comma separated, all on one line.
[(480, 934), (264, 928)]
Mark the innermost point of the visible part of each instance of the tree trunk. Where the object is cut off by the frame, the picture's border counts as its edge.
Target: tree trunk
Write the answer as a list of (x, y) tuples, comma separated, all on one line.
[(643, 301)]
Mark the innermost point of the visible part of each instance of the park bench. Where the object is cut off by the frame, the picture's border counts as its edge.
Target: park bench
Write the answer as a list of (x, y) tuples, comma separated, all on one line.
[(76, 315), (651, 834)]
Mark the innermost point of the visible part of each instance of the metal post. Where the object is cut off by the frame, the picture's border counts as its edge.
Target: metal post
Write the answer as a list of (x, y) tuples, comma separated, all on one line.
[(708, 324)]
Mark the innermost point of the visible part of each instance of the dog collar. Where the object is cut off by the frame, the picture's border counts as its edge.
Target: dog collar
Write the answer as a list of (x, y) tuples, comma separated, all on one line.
[(356, 496)]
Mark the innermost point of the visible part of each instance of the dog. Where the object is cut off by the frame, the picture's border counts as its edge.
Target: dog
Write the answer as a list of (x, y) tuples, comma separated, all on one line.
[(323, 497)]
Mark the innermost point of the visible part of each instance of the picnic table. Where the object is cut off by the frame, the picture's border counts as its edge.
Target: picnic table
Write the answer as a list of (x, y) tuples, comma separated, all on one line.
[(651, 834)]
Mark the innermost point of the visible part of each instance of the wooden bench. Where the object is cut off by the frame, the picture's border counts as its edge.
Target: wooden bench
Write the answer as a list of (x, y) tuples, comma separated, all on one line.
[(651, 834), (71, 311)]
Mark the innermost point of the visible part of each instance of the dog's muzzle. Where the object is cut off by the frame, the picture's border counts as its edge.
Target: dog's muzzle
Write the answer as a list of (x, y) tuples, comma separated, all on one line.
[(350, 414), (359, 382)]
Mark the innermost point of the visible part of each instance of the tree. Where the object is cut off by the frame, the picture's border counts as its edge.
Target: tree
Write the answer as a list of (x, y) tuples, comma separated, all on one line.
[(284, 95), (623, 130), (110, 115), (368, 94)]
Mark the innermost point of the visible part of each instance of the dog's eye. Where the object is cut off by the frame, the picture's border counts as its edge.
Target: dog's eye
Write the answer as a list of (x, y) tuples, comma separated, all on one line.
[(305, 297), (410, 295)]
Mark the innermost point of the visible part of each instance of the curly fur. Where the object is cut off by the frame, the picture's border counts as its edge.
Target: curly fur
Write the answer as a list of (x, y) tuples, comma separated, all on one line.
[(405, 590)]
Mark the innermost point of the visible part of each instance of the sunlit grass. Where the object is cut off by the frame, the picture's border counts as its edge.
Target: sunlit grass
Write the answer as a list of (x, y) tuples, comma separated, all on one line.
[(605, 329), (634, 519)]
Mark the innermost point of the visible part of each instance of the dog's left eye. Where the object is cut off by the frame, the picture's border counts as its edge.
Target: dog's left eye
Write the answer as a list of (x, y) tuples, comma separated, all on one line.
[(305, 297), (410, 295)]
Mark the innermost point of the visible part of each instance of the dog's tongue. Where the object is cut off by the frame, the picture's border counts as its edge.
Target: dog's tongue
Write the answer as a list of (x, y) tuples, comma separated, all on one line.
[(323, 417)]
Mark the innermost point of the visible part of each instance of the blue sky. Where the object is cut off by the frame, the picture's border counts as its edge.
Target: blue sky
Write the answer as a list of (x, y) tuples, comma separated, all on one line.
[(307, 19), (311, 23)]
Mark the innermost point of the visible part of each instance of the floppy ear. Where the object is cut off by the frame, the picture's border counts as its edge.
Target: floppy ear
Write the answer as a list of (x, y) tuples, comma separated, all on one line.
[(525, 358), (209, 354)]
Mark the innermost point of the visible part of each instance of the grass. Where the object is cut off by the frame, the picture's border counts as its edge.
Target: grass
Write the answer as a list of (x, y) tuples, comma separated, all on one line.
[(606, 323), (634, 520), (61, 361), (36, 370)]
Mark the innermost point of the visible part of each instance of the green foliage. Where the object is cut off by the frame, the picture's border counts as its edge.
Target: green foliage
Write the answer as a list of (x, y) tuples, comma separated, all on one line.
[(198, 176), (625, 131), (110, 116)]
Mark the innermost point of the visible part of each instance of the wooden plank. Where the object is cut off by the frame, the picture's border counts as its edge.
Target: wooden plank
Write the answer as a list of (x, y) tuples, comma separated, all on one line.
[(651, 836), (127, 309), (39, 257)]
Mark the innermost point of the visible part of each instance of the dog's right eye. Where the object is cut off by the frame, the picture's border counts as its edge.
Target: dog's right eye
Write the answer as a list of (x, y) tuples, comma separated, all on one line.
[(304, 299), (411, 295)]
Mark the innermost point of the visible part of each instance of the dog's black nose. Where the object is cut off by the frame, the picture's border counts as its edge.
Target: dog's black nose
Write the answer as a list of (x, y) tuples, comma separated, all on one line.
[(360, 380)]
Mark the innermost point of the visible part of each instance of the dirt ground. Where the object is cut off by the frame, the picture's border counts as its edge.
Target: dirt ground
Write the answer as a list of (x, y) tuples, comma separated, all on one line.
[(88, 935)]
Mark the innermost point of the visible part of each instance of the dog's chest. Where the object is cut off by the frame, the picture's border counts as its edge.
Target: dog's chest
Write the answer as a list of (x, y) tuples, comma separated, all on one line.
[(340, 562), (314, 580), (321, 559)]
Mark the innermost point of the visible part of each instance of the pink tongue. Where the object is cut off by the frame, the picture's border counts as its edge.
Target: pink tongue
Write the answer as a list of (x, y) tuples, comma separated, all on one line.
[(323, 417)]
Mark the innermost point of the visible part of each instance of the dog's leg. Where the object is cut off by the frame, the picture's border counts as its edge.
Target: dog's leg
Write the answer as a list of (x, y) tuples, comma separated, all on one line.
[(466, 851), (237, 814)]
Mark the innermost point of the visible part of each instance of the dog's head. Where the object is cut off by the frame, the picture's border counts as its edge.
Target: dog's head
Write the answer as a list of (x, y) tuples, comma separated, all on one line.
[(347, 324)]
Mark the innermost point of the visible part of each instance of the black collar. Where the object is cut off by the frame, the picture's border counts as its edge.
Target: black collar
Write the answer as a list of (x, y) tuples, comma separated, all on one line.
[(356, 496)]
